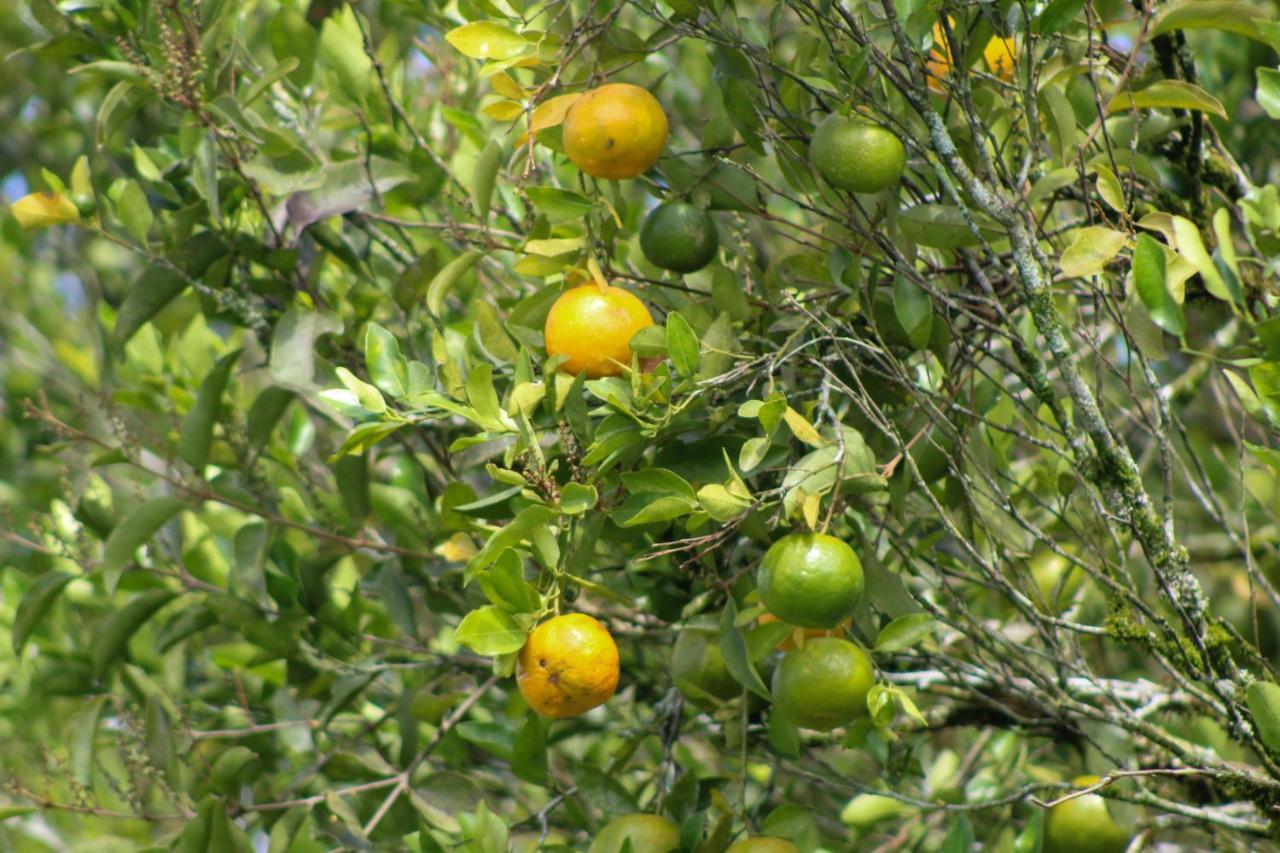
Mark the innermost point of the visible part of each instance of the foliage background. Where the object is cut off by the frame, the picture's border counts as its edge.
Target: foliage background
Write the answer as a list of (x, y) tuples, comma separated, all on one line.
[(272, 202)]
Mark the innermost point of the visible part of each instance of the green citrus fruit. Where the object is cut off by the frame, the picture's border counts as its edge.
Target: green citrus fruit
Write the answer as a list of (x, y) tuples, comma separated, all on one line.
[(698, 669), (823, 684), (679, 237), (855, 155), (811, 580), (763, 844), (648, 833), (1083, 825)]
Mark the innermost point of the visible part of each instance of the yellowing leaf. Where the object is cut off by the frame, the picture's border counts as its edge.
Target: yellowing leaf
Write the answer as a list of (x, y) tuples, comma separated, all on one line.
[(551, 112), (1168, 94), (40, 210), (503, 110), (810, 509), (505, 86), (1189, 244), (802, 429), (1092, 248), (458, 548), (487, 40), (555, 246)]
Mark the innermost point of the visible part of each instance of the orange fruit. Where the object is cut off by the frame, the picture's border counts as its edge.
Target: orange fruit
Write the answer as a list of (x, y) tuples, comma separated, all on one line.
[(823, 684), (1083, 825), (811, 580), (648, 833), (855, 155), (593, 326), (789, 642), (615, 131), (938, 66), (763, 844), (1001, 55), (568, 665)]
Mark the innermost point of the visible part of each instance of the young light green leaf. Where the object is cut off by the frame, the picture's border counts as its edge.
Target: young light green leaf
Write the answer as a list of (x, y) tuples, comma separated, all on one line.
[(1151, 279), (682, 345), (135, 211), (733, 648), (904, 632), (491, 631), (1091, 250), (487, 40), (1168, 94), (577, 498), (448, 277), (1230, 16), (293, 346), (485, 176), (559, 205), (196, 436), (382, 359), (1268, 91), (1264, 704), (134, 532), (1191, 246)]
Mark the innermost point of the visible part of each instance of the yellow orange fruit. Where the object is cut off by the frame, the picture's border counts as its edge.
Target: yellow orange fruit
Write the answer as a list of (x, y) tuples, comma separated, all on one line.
[(763, 844), (1001, 57), (938, 66), (569, 665), (615, 131), (648, 833), (593, 325)]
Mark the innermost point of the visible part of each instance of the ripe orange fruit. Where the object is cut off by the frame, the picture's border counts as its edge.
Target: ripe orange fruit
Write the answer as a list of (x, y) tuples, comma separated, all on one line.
[(811, 580), (569, 665), (615, 131), (679, 237), (855, 155), (938, 66), (593, 326), (823, 684), (698, 669), (763, 844), (1083, 825), (648, 833), (1001, 57), (789, 642)]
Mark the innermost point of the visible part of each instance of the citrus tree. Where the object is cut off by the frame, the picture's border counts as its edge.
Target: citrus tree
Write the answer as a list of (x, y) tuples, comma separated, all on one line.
[(650, 425)]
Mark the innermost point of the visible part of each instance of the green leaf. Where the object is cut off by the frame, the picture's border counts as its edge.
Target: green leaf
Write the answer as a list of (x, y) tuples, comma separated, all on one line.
[(784, 734), (265, 413), (1229, 16), (560, 205), (1264, 704), (937, 226), (135, 211), (1151, 279), (156, 288), (82, 741), (1091, 250), (733, 648), (1168, 94), (285, 830), (505, 586), (134, 532), (1058, 15), (682, 345), (396, 598), (720, 503), (197, 425), (576, 498), (293, 346), (490, 630), (651, 508), (342, 51), (914, 310), (904, 632), (485, 175), (658, 481), (487, 40), (112, 641), (529, 752), (35, 603), (448, 277), (1190, 246), (1268, 91), (382, 359), (518, 530)]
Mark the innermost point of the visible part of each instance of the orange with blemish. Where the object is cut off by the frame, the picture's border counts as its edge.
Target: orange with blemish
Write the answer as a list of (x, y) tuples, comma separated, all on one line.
[(569, 665)]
